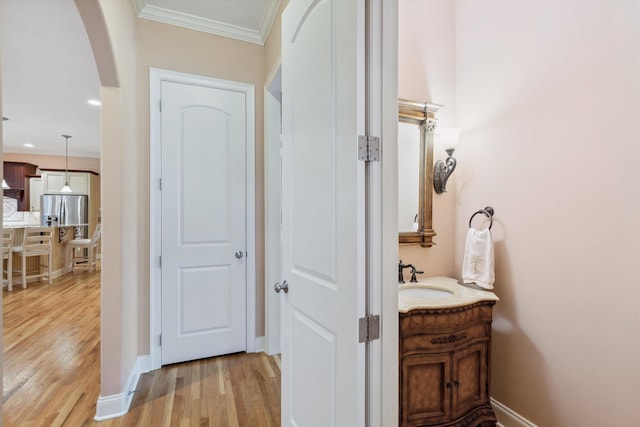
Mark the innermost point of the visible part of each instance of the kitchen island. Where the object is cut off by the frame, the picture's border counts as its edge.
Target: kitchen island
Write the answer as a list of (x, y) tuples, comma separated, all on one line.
[(61, 236)]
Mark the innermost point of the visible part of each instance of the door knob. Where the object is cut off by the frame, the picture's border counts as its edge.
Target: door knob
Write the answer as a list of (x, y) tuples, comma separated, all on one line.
[(282, 287), (239, 254)]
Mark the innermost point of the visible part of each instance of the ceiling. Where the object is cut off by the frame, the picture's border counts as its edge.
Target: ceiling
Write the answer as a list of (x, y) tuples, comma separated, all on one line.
[(49, 75)]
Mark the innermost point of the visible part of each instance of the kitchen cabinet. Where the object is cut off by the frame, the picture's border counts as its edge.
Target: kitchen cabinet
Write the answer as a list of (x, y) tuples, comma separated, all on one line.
[(35, 191), (16, 175), (53, 181), (445, 366)]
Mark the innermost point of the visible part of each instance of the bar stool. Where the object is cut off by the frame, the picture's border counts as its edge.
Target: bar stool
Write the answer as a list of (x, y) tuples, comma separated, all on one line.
[(91, 245), (7, 247), (36, 242)]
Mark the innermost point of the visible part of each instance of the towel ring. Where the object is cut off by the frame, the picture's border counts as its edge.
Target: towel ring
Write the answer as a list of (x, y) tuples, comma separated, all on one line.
[(488, 212)]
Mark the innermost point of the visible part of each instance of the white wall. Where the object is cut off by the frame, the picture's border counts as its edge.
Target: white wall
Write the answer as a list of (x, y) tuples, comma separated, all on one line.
[(548, 93)]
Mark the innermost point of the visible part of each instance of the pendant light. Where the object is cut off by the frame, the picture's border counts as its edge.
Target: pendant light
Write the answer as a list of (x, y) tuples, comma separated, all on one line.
[(66, 188)]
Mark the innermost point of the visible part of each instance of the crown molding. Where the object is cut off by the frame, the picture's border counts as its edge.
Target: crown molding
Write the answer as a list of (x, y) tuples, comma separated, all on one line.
[(208, 25), (269, 17), (138, 5)]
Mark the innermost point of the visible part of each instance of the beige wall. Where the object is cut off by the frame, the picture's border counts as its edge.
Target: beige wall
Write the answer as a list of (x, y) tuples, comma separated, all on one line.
[(548, 95), (55, 162), (426, 72), (273, 45), (179, 49), (134, 45), (123, 242)]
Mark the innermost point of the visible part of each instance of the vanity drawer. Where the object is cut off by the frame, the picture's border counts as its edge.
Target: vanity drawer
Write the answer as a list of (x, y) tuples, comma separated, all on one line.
[(443, 340), (447, 319)]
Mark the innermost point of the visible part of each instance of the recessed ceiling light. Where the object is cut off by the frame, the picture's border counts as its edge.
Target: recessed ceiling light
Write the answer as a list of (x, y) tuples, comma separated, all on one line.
[(26, 144), (95, 102)]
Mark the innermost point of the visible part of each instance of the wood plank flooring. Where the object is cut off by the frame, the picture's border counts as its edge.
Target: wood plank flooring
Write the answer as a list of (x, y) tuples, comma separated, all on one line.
[(52, 369)]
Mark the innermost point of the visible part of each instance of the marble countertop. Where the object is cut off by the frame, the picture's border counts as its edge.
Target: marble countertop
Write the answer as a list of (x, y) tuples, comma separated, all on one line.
[(18, 225), (452, 294), (25, 224)]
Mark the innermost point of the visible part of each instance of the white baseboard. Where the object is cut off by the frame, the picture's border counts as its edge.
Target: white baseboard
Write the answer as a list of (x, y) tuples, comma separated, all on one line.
[(259, 345), (117, 405), (507, 417)]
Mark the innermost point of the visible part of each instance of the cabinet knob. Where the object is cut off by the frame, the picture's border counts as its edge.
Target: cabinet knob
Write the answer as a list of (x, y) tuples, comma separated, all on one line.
[(448, 385), (456, 383)]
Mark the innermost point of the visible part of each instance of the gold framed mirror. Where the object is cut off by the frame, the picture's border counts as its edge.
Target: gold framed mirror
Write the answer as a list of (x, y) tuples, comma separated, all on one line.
[(417, 123)]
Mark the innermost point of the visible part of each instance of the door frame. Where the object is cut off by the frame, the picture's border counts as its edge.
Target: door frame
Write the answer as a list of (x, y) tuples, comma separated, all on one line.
[(272, 202), (156, 77), (383, 93)]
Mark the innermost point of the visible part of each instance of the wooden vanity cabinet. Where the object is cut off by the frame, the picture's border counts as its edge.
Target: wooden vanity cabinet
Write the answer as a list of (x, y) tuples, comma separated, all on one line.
[(445, 366)]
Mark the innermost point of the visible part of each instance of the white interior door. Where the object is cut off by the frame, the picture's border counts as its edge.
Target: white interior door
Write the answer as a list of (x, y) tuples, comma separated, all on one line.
[(203, 222), (323, 368)]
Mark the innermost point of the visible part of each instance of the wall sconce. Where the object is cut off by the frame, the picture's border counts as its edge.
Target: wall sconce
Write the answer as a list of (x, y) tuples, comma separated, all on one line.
[(443, 170)]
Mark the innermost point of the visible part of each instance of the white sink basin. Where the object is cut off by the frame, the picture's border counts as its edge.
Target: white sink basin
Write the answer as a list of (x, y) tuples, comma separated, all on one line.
[(425, 292), (439, 292)]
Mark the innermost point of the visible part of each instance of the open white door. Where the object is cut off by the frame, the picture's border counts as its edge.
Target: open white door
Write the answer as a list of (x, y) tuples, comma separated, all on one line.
[(323, 365)]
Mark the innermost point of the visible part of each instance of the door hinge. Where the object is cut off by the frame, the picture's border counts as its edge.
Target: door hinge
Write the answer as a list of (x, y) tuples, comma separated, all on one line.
[(160, 184), (160, 105), (160, 261), (368, 148), (160, 339), (369, 328)]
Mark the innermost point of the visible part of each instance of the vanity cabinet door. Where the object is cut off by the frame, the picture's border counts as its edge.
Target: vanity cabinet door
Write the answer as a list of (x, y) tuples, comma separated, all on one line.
[(470, 384), (425, 384)]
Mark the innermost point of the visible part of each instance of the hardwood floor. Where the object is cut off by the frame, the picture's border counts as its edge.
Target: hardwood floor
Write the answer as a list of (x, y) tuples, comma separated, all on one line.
[(52, 369)]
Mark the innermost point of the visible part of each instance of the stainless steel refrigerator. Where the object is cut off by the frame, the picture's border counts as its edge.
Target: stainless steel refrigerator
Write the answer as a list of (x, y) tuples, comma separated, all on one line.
[(65, 210)]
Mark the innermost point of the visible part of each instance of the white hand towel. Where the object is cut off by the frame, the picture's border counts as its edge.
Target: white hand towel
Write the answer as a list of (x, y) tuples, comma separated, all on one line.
[(477, 265)]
